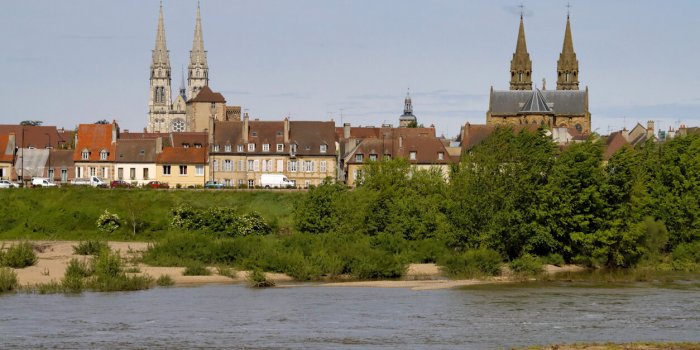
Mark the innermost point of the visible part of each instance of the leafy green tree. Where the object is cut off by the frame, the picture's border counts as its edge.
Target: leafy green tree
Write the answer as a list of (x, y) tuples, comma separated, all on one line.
[(314, 212), (31, 123)]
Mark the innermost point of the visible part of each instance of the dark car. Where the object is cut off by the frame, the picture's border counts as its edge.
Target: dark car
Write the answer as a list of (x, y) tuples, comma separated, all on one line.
[(213, 184), (119, 184), (157, 184)]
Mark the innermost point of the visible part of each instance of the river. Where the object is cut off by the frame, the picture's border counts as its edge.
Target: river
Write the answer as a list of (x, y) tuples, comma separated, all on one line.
[(313, 317)]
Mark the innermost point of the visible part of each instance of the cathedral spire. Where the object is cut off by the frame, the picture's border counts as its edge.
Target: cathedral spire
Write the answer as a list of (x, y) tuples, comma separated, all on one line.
[(160, 53), (159, 100), (567, 66), (521, 65), (198, 69)]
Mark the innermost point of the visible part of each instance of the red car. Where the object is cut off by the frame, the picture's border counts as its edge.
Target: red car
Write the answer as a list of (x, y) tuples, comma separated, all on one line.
[(157, 184), (119, 184)]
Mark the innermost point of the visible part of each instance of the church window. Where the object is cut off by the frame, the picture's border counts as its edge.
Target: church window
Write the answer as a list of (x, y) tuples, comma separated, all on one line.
[(178, 125), (520, 76)]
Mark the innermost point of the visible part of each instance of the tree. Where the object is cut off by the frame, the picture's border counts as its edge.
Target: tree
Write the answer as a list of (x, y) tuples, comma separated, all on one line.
[(314, 212), (103, 121), (31, 123)]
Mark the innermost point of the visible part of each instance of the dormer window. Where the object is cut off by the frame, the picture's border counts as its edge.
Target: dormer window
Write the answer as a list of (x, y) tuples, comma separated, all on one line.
[(412, 155), (251, 147), (185, 145), (227, 148), (280, 147), (372, 157), (324, 148), (216, 148), (266, 147), (141, 152), (358, 157), (240, 148), (254, 133), (279, 133), (85, 155), (441, 156), (197, 145), (293, 148)]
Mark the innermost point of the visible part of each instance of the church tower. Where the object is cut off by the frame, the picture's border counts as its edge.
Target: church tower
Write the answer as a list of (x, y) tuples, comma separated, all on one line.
[(521, 65), (159, 102), (407, 119), (567, 66), (198, 69)]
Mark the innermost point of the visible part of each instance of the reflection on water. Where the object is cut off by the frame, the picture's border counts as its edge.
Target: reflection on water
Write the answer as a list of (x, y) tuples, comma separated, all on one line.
[(231, 316)]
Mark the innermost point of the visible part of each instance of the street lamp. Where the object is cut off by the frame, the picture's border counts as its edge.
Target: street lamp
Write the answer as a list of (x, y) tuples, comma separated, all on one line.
[(48, 173)]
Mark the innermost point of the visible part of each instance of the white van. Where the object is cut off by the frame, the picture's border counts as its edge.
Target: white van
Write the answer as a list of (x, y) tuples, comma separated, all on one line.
[(93, 181), (275, 181), (42, 182)]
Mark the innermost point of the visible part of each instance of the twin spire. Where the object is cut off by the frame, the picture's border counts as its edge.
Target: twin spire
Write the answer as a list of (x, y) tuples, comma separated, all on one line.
[(160, 54), (521, 65)]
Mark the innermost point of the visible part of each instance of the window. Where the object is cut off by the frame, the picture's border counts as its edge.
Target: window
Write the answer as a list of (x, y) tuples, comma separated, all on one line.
[(240, 148), (293, 148), (105, 172), (280, 165), (240, 165), (280, 147), (254, 133), (64, 175), (197, 145), (266, 147), (216, 148), (251, 147), (183, 169), (132, 173), (307, 183), (240, 182), (267, 165), (185, 145), (250, 165), (199, 170), (215, 165), (85, 155), (145, 173), (50, 175), (372, 157), (228, 165), (251, 183), (358, 157), (227, 148), (441, 156), (387, 156), (103, 155), (78, 171), (322, 166), (166, 170), (324, 148), (256, 165), (120, 172), (292, 166), (412, 155), (308, 166), (93, 171)]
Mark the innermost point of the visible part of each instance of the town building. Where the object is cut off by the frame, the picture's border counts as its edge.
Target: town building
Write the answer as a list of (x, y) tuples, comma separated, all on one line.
[(95, 150), (182, 167), (135, 160), (567, 106)]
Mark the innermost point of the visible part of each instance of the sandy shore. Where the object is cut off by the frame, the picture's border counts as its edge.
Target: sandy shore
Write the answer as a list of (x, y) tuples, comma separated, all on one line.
[(55, 255)]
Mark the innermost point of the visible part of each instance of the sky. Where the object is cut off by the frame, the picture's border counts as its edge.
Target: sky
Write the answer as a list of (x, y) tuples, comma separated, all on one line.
[(79, 61)]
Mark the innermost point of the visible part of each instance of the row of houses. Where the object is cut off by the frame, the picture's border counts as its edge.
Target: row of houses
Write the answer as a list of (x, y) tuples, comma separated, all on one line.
[(237, 152)]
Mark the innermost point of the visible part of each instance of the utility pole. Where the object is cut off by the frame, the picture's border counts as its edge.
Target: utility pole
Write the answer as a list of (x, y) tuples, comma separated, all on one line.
[(48, 173), (22, 172)]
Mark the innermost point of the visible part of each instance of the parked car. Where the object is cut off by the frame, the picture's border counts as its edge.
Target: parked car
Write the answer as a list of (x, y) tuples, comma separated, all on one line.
[(213, 184), (42, 182), (93, 181), (119, 184), (157, 184), (8, 184)]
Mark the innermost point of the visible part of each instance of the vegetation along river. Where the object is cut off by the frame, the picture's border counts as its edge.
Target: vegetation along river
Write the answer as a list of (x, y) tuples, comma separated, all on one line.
[(313, 317)]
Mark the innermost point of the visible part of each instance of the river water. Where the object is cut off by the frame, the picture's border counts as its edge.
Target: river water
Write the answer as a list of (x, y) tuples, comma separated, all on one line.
[(313, 317)]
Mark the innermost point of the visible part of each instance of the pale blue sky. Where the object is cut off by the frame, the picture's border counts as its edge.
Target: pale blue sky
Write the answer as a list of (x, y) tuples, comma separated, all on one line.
[(78, 61)]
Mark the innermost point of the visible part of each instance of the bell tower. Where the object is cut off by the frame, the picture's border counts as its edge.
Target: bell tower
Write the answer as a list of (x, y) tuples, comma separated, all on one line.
[(567, 66), (159, 101), (198, 69), (521, 64)]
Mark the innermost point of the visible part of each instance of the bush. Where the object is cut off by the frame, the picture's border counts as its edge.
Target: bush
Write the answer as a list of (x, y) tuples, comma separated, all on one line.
[(526, 265), (165, 281), (78, 268), (377, 265), (473, 263), (196, 269), (219, 220), (90, 247), (226, 271), (108, 222), (8, 280), (686, 257), (553, 259), (19, 256), (257, 279)]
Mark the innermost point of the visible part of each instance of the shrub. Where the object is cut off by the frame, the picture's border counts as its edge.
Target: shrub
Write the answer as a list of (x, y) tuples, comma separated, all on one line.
[(107, 264), (196, 269), (19, 256), (553, 259), (377, 265), (90, 247), (686, 257), (226, 271), (8, 280), (165, 281), (108, 222), (49, 287), (219, 220), (526, 265), (78, 268), (257, 279), (473, 263)]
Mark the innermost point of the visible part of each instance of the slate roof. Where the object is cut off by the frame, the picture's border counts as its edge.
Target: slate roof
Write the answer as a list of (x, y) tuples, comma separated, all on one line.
[(564, 102), (136, 151), (536, 104), (189, 138)]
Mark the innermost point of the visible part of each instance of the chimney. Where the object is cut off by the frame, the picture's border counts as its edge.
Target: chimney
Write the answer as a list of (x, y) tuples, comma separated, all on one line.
[(11, 141), (210, 131), (126, 131), (159, 145), (346, 131), (115, 131), (286, 130), (650, 128), (245, 128)]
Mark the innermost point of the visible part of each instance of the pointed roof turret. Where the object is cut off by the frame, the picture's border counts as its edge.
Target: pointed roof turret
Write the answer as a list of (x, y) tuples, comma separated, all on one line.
[(521, 65), (536, 104), (567, 66), (160, 53), (198, 56), (407, 118)]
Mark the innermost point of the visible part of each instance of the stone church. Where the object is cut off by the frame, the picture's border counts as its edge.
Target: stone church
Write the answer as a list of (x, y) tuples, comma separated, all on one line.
[(567, 106), (165, 113)]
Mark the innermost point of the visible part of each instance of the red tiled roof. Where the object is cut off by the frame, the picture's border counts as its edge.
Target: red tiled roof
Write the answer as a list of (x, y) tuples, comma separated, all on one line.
[(179, 155), (401, 142), (34, 136), (5, 153), (616, 141), (206, 95), (95, 138)]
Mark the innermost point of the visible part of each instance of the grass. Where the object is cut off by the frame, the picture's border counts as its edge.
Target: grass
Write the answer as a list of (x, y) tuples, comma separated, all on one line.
[(257, 279), (8, 280), (44, 215), (90, 247), (165, 281), (226, 271), (19, 256), (196, 269)]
